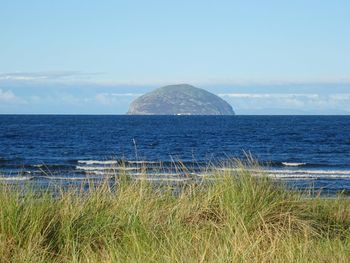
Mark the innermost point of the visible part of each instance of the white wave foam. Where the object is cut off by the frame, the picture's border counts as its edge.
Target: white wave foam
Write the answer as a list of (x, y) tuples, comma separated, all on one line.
[(300, 173), (110, 162), (62, 178), (293, 164), (104, 173), (93, 168), (143, 162), (15, 178), (310, 176), (89, 162), (309, 172), (182, 175), (163, 179), (286, 171), (105, 168)]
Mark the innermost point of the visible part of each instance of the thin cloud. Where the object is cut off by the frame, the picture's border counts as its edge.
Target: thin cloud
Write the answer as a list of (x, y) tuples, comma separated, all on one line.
[(113, 98), (49, 75), (8, 97), (306, 102), (94, 78), (226, 82), (269, 95), (279, 81), (125, 94)]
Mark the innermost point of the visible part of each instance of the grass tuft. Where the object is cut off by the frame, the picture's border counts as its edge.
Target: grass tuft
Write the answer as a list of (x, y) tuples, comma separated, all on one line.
[(234, 217)]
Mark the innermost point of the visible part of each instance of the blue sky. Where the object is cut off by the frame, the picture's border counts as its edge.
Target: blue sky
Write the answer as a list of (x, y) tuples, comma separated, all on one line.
[(95, 57)]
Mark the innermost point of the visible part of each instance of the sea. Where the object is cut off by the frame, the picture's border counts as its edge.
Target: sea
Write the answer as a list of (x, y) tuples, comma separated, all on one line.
[(304, 152)]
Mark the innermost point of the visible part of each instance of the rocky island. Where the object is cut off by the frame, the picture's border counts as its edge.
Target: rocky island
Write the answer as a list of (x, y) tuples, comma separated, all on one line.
[(182, 99)]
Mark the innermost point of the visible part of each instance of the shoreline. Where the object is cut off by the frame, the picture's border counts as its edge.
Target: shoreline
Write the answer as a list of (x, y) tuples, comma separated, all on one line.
[(295, 175)]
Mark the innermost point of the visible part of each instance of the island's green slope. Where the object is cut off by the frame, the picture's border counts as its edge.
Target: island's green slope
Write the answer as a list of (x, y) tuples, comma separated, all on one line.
[(180, 99)]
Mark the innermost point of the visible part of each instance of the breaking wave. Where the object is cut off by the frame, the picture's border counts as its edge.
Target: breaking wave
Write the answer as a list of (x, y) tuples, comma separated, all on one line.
[(90, 162), (106, 168), (16, 178), (293, 164)]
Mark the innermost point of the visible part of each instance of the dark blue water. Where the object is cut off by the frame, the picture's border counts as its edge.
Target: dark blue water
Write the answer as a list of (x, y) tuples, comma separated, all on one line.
[(300, 149)]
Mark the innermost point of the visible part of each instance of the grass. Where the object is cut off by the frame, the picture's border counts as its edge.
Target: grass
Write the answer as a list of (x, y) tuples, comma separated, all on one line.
[(236, 218)]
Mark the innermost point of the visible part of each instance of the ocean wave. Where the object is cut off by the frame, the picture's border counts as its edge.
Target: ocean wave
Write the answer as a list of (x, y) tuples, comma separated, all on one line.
[(309, 172), (16, 178), (90, 162), (286, 171), (143, 162), (64, 178), (106, 168), (162, 174), (310, 176), (159, 179), (301, 173), (293, 164), (93, 168), (101, 173)]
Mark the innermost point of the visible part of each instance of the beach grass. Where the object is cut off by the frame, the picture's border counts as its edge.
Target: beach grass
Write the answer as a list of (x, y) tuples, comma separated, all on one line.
[(234, 217)]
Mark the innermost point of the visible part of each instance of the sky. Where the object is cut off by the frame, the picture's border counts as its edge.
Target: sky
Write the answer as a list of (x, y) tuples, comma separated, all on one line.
[(95, 57)]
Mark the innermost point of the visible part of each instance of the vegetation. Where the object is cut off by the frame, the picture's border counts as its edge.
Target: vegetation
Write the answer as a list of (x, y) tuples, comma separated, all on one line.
[(235, 218)]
